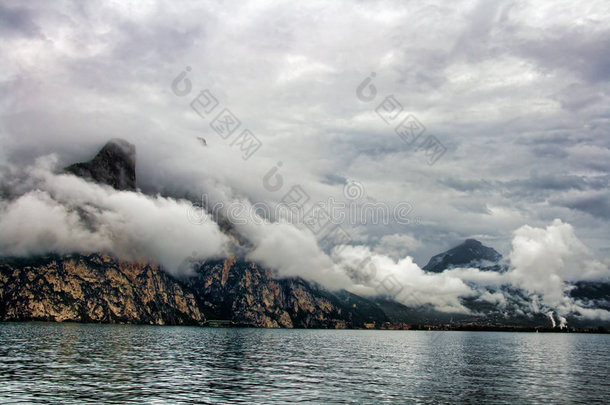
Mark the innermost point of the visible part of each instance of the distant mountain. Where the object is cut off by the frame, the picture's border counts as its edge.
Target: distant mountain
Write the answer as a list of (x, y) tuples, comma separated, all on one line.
[(114, 165), (471, 253), (595, 294)]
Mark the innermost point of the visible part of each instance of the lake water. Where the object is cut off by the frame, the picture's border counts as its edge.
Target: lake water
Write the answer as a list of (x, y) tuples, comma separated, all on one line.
[(76, 363)]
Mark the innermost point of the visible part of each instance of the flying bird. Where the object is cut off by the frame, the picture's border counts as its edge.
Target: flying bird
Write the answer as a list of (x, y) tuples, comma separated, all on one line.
[(203, 141)]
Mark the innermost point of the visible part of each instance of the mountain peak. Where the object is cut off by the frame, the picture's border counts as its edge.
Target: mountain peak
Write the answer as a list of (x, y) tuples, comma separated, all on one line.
[(471, 253), (472, 242), (114, 165)]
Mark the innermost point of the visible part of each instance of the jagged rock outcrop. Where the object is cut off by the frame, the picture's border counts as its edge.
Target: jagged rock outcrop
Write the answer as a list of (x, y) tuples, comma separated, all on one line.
[(100, 288), (249, 294), (94, 288), (114, 165)]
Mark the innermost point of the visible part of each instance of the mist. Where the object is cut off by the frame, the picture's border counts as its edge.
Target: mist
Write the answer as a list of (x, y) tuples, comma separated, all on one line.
[(65, 214), (522, 121)]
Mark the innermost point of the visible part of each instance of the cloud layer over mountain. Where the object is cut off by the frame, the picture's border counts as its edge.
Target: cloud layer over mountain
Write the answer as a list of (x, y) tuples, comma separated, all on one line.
[(517, 93), (66, 214)]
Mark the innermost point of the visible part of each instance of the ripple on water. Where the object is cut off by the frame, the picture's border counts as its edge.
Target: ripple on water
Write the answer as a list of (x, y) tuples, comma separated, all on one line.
[(74, 363)]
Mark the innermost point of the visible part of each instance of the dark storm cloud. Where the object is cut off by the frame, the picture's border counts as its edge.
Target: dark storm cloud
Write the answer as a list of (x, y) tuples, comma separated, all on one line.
[(535, 183), (575, 49), (17, 21), (333, 178), (554, 182), (596, 204), (517, 92), (466, 184)]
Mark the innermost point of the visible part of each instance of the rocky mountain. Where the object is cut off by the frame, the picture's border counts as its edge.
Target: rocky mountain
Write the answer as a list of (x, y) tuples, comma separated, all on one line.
[(594, 293), (514, 310), (94, 288), (471, 253), (248, 294), (114, 165), (101, 288), (235, 291)]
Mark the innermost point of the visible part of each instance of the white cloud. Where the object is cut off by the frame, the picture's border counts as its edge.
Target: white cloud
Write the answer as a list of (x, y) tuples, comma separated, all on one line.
[(397, 245), (543, 260), (66, 214)]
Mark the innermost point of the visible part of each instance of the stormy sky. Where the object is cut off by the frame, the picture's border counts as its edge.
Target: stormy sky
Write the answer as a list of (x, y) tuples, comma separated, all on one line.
[(515, 93)]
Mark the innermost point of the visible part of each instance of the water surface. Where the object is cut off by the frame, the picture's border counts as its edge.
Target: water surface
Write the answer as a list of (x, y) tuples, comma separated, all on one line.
[(79, 363)]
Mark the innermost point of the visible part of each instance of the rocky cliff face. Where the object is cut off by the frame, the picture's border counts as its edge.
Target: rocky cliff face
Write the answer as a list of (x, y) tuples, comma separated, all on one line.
[(114, 165), (100, 288), (95, 288), (248, 294)]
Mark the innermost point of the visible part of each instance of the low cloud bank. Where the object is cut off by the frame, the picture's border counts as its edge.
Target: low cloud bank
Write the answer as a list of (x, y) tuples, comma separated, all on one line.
[(62, 213), (43, 212)]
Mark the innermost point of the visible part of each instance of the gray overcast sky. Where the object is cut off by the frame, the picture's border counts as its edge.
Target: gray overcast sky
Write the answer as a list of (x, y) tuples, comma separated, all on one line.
[(518, 93)]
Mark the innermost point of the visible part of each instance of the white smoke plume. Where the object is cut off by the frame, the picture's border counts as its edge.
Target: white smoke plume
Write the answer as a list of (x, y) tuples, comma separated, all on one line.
[(550, 315)]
